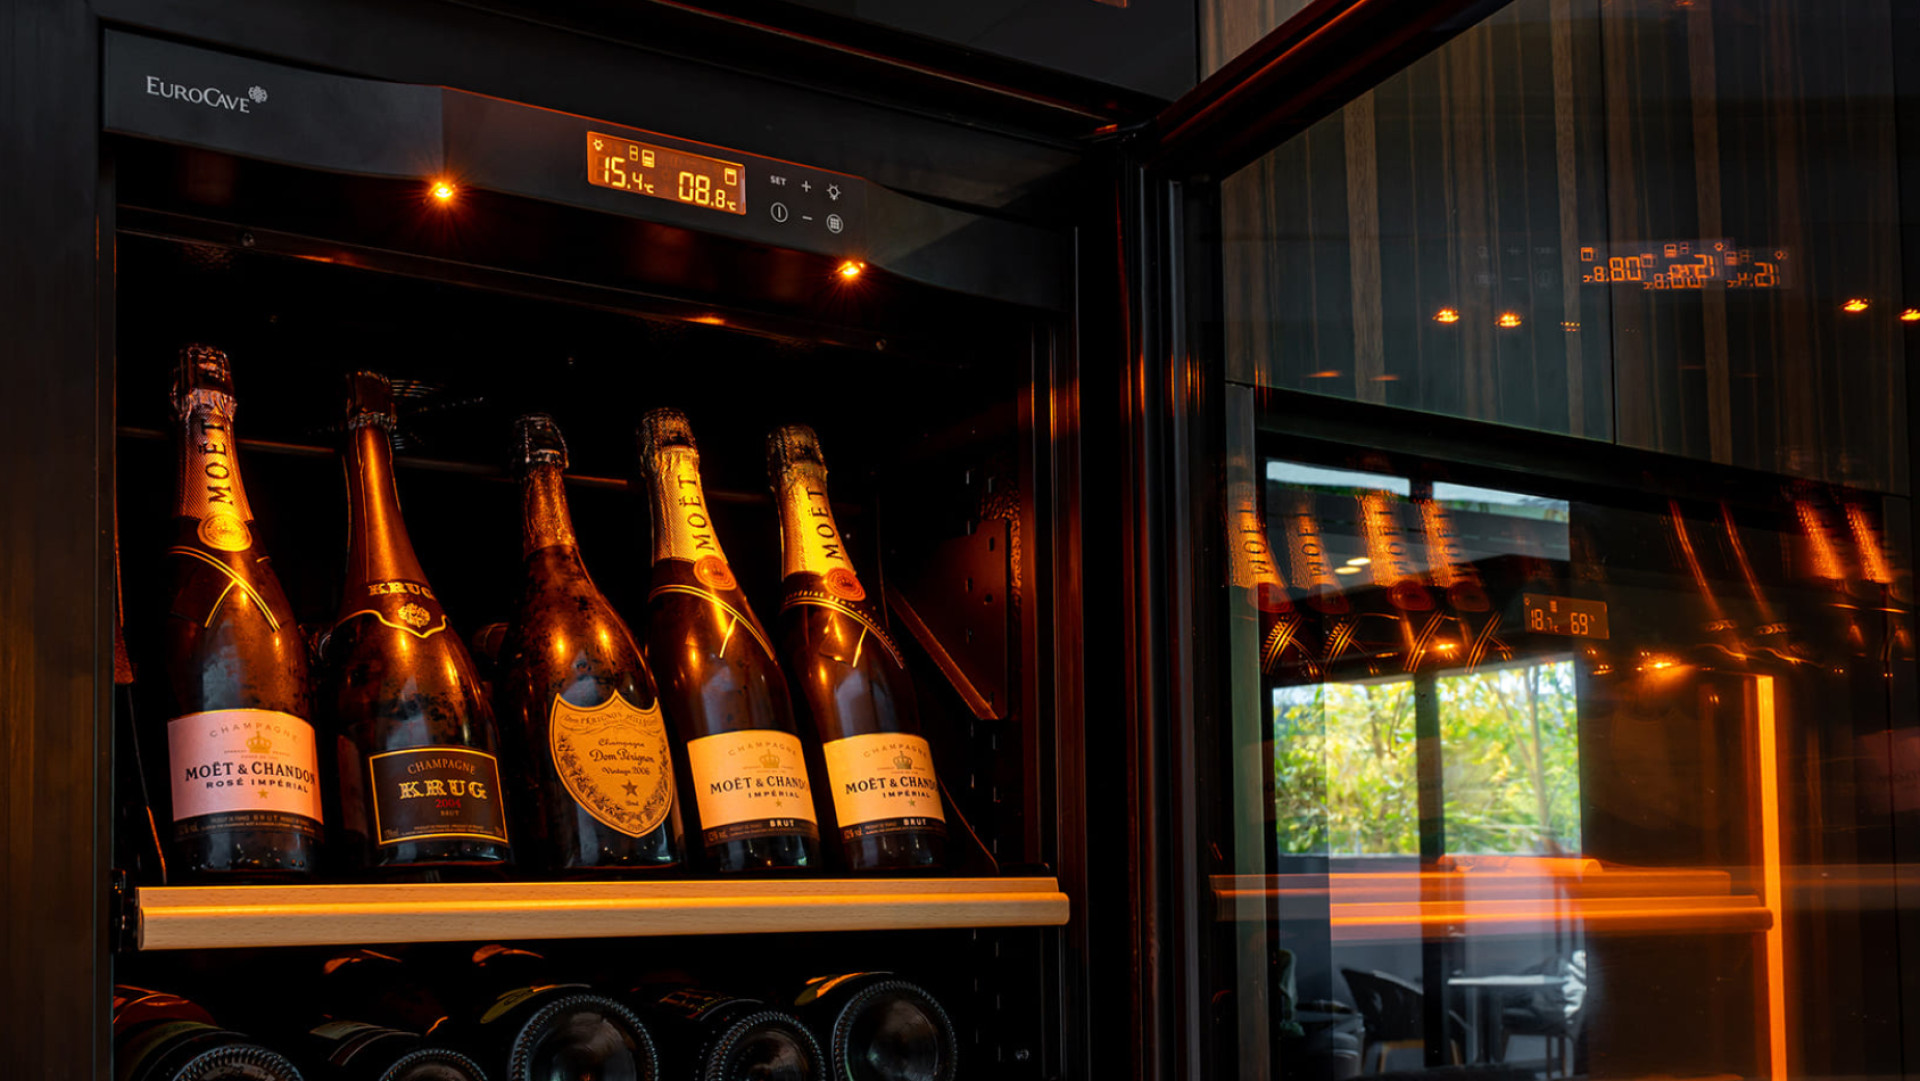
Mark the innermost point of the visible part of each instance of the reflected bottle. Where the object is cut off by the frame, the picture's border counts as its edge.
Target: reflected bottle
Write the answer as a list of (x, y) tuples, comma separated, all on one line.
[(417, 749), (852, 678), (712, 1036), (877, 1027), (576, 697), (241, 762), (720, 683), (162, 1037)]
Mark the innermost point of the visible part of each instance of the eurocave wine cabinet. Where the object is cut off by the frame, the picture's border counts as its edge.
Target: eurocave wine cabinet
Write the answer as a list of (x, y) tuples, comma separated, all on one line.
[(1054, 539)]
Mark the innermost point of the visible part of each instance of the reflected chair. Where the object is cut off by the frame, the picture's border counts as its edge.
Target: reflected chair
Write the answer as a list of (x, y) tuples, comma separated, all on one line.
[(1556, 1012), (1394, 1012)]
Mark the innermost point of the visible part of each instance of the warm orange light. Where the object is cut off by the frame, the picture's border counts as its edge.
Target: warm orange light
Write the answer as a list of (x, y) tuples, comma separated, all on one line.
[(1854, 305), (444, 191), (1570, 326), (1769, 741), (1508, 319), (1328, 374), (1447, 315), (1911, 315), (852, 269), (710, 320)]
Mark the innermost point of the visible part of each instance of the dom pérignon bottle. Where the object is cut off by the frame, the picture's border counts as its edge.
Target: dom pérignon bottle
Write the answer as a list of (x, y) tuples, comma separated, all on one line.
[(241, 760), (720, 682), (162, 1037), (711, 1036), (878, 1027), (417, 747), (575, 696), (852, 678)]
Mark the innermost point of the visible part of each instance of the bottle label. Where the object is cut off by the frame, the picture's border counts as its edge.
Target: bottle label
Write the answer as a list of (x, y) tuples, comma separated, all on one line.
[(400, 604), (821, 985), (682, 525), (692, 1003), (210, 484), (614, 761), (425, 793), (883, 782), (810, 542), (509, 999), (750, 783), (243, 769)]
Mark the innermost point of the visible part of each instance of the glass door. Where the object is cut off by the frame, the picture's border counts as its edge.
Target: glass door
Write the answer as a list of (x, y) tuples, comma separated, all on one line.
[(1551, 558)]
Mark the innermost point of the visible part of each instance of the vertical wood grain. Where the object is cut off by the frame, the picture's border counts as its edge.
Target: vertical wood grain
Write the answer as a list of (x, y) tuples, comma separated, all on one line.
[(1363, 238), (55, 628), (1704, 95), (1566, 120)]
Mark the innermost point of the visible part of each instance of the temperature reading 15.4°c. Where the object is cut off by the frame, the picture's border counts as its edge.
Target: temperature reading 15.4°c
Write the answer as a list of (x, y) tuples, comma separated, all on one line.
[(674, 175)]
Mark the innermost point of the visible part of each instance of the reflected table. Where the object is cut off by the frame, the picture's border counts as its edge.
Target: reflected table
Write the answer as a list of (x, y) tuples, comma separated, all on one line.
[(1485, 1013)]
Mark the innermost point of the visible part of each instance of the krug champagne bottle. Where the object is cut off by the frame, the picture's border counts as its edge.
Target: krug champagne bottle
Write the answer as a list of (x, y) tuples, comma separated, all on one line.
[(711, 1036), (241, 763), (541, 1029), (357, 1051), (416, 743), (852, 678), (720, 683), (162, 1037), (576, 697), (877, 1027)]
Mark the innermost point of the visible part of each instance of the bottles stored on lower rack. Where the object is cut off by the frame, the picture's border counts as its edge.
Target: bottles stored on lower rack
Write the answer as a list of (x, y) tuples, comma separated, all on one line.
[(714, 1036), (558, 752), (879, 1027), (163, 1037), (503, 1013)]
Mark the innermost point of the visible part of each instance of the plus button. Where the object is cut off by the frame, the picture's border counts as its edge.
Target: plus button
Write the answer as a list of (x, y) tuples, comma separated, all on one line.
[(805, 186)]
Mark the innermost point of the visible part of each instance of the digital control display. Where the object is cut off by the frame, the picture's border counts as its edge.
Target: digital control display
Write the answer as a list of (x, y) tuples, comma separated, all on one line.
[(674, 175), (1686, 264), (1570, 616)]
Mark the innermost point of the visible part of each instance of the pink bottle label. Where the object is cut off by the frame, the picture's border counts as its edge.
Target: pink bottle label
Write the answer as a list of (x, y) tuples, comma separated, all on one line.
[(245, 762)]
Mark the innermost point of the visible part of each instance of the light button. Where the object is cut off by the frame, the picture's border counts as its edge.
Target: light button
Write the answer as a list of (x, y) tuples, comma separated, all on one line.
[(779, 211)]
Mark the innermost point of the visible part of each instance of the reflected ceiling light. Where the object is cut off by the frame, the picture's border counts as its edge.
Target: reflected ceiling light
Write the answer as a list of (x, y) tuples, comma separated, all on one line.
[(851, 269), (1386, 378), (1508, 319), (1570, 326), (1346, 570), (1358, 561), (1855, 305), (1447, 315), (1328, 374), (443, 191), (1911, 315)]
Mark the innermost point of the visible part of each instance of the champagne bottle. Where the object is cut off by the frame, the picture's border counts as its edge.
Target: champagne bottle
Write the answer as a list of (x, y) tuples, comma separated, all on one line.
[(711, 1036), (878, 1027), (357, 1051), (543, 1029), (576, 697), (162, 1037), (242, 768), (416, 744), (852, 678), (720, 682)]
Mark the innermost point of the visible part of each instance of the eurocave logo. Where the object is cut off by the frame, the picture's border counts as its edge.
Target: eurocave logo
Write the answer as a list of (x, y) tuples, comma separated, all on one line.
[(210, 96)]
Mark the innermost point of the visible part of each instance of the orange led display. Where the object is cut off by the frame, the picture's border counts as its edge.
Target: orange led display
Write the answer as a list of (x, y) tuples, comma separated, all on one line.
[(673, 175), (1683, 265)]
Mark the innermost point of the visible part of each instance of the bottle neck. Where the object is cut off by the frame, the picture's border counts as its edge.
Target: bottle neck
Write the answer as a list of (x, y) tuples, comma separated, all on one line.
[(810, 541), (545, 521), (378, 549), (682, 525), (209, 490)]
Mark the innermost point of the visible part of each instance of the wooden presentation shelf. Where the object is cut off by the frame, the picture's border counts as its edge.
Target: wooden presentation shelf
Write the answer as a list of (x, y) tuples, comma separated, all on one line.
[(208, 917)]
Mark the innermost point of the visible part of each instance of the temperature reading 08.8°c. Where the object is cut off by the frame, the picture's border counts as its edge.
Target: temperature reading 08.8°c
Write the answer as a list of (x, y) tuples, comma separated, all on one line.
[(674, 175)]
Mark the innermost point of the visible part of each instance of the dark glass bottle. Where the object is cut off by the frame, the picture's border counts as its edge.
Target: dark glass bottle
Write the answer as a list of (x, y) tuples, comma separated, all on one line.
[(720, 683), (576, 699), (877, 1027), (710, 1036), (885, 808), (241, 763), (417, 749), (357, 1051), (162, 1037), (538, 1028)]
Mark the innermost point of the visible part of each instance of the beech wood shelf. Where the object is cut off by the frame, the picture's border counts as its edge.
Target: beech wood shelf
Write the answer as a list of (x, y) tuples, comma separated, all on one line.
[(212, 917)]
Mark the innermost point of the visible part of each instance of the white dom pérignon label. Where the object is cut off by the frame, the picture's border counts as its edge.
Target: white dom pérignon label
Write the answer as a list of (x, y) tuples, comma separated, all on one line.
[(241, 761)]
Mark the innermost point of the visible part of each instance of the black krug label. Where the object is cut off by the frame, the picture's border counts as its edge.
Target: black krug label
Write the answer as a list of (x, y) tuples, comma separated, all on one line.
[(427, 793)]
